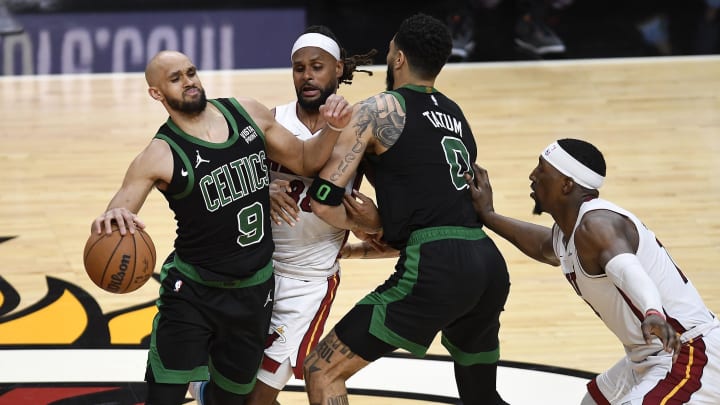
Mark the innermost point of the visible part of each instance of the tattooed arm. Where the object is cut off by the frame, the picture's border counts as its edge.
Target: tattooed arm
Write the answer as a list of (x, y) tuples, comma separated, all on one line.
[(376, 124)]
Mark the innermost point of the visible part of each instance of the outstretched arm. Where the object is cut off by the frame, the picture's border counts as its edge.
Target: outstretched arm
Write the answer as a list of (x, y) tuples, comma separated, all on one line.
[(532, 239), (305, 158)]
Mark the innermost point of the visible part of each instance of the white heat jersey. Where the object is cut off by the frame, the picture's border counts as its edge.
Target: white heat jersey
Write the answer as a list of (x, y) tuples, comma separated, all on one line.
[(681, 302), (310, 248)]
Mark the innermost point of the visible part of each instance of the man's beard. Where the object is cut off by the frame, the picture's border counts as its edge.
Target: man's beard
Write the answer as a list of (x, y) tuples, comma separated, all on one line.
[(314, 104), (537, 210), (389, 79), (189, 107)]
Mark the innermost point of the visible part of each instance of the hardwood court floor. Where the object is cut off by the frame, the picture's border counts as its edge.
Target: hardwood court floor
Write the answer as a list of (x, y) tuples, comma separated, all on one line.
[(65, 143)]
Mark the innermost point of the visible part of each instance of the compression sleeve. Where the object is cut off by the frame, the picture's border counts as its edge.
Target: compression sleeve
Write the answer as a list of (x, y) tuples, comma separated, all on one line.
[(628, 274)]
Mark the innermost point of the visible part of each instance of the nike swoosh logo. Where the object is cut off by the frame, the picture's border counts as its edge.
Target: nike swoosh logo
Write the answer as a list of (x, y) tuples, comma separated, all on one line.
[(183, 173)]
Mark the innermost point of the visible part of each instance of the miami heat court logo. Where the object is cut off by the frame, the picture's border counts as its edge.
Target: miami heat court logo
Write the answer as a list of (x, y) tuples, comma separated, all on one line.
[(64, 350)]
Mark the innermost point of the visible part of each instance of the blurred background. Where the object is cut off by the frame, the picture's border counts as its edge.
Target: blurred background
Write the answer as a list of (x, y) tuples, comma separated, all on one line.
[(84, 36)]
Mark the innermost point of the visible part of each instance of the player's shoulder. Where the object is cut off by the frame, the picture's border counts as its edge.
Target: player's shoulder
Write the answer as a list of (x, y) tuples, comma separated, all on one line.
[(247, 102), (601, 223), (381, 102), (157, 148), (257, 110)]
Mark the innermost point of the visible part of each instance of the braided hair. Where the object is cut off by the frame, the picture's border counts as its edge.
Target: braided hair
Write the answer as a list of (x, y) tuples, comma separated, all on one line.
[(350, 63)]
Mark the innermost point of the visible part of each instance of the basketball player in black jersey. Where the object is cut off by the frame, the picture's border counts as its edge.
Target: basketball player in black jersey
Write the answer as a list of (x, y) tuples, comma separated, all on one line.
[(209, 160), (450, 276)]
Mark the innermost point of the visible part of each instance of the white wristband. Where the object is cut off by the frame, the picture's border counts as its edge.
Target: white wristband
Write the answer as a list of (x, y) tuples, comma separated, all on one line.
[(628, 274), (334, 128)]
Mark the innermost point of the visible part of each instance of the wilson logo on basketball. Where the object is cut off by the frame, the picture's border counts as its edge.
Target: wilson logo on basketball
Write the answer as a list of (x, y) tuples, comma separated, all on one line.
[(117, 278)]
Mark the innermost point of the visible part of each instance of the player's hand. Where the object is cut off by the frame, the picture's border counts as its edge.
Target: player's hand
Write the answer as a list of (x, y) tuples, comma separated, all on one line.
[(362, 211), (336, 111), (480, 190), (656, 325), (124, 218), (374, 240), (282, 205)]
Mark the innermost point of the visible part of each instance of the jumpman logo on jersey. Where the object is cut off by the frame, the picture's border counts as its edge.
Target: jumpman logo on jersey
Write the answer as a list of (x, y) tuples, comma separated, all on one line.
[(268, 299), (199, 159)]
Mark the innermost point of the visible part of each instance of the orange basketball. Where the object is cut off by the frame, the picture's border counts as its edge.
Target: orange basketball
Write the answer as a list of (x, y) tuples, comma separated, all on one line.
[(119, 264)]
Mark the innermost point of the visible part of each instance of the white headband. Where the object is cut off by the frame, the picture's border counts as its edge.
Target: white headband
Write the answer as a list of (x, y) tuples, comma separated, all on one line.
[(317, 40), (569, 166)]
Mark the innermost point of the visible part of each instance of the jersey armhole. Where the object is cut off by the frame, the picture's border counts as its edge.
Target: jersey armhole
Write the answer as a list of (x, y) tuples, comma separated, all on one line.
[(185, 161)]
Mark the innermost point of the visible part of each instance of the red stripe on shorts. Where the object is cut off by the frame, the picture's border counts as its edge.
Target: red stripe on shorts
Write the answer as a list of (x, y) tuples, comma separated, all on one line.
[(684, 378), (317, 326), (596, 394)]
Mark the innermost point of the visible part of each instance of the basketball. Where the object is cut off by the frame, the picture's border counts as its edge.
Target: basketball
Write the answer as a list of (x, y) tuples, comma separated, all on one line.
[(119, 264)]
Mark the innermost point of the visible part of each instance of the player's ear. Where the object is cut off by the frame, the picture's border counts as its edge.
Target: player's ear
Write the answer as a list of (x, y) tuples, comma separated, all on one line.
[(400, 59), (155, 93), (339, 68)]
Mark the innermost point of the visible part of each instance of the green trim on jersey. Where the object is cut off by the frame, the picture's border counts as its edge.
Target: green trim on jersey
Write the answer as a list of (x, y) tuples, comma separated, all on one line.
[(407, 282), (469, 359), (399, 98), (232, 137), (420, 89), (188, 270), (247, 116), (413, 87), (227, 115), (186, 162), (445, 232), (230, 385)]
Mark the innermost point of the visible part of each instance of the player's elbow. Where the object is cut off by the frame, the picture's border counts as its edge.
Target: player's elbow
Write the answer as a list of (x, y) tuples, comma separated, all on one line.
[(311, 167)]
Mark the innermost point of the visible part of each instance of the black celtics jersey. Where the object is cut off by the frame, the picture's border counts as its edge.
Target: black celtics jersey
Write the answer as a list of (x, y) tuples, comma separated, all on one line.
[(220, 196), (419, 181)]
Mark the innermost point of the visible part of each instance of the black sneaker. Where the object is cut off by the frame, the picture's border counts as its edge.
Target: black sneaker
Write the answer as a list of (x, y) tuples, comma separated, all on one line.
[(462, 29), (536, 37)]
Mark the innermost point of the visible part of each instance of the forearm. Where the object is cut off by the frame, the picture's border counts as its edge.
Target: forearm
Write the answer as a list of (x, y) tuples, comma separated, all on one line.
[(529, 238), (628, 274), (334, 215), (364, 250), (317, 151)]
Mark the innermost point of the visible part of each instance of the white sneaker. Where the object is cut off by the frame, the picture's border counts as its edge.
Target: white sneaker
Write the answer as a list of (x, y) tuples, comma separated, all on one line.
[(197, 389)]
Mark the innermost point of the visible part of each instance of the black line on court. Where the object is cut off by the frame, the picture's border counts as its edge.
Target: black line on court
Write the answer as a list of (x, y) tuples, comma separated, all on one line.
[(509, 364), (388, 394)]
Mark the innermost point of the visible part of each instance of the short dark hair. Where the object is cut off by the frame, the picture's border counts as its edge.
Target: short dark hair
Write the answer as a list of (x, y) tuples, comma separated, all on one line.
[(585, 153), (350, 62), (426, 42)]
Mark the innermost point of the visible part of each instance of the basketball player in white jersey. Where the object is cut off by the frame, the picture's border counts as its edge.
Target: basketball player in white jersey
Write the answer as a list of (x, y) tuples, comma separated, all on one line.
[(619, 268), (307, 249)]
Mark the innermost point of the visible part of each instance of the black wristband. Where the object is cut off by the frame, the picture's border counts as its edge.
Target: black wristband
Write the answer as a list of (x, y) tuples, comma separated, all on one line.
[(326, 192)]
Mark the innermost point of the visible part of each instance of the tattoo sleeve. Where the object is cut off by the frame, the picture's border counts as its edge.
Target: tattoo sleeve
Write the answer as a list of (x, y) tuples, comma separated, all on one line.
[(322, 355), (382, 116)]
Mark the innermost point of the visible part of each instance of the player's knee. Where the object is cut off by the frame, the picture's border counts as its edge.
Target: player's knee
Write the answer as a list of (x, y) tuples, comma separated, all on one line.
[(313, 375)]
